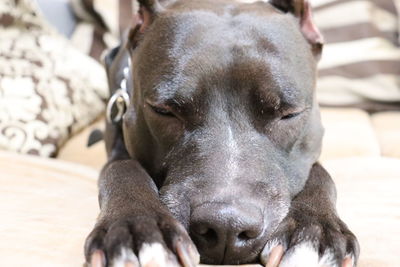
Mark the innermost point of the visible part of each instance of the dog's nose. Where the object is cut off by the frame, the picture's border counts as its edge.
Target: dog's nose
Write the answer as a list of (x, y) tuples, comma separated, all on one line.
[(226, 234)]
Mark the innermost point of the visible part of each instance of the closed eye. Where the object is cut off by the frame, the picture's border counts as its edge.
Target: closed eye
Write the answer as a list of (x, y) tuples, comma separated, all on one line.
[(291, 115), (164, 111)]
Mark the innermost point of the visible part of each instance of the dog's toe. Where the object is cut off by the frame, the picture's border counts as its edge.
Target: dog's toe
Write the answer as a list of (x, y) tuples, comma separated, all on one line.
[(156, 255), (316, 243), (301, 255), (144, 241), (125, 258)]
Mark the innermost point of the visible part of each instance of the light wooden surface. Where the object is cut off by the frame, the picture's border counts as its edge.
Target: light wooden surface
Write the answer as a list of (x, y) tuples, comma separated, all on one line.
[(47, 207)]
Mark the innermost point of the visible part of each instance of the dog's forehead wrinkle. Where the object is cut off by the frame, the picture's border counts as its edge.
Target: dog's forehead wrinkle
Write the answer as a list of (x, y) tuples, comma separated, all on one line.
[(282, 90), (238, 45), (195, 26), (274, 30), (241, 31)]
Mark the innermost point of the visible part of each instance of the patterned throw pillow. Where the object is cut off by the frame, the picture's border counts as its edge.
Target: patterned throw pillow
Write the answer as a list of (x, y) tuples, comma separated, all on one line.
[(48, 89), (360, 65), (102, 22)]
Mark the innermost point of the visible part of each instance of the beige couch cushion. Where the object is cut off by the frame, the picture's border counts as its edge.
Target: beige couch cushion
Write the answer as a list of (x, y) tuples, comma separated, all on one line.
[(48, 89), (387, 128), (348, 133), (368, 201), (48, 207), (76, 149)]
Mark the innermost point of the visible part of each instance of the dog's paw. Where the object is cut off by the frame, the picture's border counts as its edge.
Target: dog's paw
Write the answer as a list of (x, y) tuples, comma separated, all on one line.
[(311, 242), (140, 241)]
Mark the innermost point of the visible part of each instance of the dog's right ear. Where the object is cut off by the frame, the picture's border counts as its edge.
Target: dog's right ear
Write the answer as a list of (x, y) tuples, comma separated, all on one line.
[(148, 10)]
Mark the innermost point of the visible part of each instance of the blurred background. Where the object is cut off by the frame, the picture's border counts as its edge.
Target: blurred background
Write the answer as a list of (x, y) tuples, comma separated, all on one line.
[(53, 92)]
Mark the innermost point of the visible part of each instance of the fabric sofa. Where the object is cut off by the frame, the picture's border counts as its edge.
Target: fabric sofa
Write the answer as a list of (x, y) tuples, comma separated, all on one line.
[(48, 206)]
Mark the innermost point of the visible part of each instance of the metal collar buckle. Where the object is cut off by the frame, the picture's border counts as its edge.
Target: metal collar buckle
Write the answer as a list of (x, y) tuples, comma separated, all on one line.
[(119, 100)]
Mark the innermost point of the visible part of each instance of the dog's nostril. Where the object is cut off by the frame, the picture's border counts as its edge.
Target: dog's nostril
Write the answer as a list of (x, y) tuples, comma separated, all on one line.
[(247, 235), (201, 230), (211, 236), (208, 235)]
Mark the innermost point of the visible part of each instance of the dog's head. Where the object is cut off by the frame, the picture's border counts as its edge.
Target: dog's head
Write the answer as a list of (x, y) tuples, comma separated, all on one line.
[(223, 115)]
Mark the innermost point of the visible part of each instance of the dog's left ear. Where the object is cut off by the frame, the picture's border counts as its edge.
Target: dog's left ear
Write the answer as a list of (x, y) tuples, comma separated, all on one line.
[(148, 10), (302, 10)]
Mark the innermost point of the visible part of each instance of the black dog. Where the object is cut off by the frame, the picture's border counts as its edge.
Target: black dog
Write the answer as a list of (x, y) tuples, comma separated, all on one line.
[(219, 141)]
